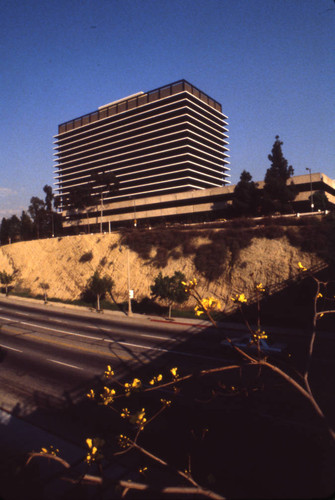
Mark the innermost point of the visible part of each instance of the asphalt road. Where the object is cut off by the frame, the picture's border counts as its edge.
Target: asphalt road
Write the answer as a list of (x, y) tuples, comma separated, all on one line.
[(49, 354), (46, 351), (50, 357)]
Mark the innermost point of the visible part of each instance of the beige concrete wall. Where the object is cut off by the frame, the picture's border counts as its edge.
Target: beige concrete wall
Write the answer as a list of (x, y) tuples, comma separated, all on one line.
[(197, 206)]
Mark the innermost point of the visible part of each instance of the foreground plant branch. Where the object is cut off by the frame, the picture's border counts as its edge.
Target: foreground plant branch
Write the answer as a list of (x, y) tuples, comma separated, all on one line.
[(115, 392), (207, 306)]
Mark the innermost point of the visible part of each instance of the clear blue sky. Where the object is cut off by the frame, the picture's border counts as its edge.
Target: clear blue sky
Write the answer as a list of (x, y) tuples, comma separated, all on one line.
[(271, 64)]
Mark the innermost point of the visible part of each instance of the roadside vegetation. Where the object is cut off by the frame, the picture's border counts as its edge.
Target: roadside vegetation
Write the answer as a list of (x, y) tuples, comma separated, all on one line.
[(199, 410)]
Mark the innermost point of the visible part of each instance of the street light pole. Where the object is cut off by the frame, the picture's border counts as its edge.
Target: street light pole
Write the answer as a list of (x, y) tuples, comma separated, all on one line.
[(129, 291), (310, 178), (101, 208)]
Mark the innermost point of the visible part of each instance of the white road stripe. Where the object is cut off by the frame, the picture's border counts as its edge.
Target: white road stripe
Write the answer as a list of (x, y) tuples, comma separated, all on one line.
[(65, 364), (154, 336), (136, 345), (180, 353), (11, 348), (60, 331)]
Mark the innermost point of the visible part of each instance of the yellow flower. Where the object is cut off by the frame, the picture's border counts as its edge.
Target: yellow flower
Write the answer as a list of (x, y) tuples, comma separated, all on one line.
[(125, 413), (50, 451), (92, 453), (321, 314), (136, 383), (108, 395), (174, 372), (91, 394), (209, 304), (259, 334), (239, 298), (260, 287), (142, 470), (140, 420), (190, 285), (109, 373), (301, 267), (319, 296), (123, 441), (154, 380), (166, 402)]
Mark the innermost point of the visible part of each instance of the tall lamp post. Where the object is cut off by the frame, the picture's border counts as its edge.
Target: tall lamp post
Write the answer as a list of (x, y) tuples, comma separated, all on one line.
[(310, 179)]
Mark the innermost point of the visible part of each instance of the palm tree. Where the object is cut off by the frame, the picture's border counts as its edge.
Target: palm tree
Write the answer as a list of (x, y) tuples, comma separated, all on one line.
[(102, 181)]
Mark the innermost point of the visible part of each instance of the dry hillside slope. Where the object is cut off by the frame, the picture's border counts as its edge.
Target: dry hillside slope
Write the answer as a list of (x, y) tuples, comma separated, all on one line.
[(60, 263)]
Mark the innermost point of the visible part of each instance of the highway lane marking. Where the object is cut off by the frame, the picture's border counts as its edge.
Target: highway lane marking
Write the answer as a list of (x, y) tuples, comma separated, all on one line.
[(65, 364), (154, 336), (181, 353), (59, 331), (136, 345), (116, 342), (88, 336), (7, 319), (79, 348), (11, 348), (159, 337)]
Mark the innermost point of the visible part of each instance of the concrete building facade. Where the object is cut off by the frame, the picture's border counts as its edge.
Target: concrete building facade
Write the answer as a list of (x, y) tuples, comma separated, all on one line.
[(169, 140), (193, 206)]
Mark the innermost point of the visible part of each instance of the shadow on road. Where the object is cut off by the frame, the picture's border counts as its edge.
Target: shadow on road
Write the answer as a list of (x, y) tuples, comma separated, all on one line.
[(246, 434)]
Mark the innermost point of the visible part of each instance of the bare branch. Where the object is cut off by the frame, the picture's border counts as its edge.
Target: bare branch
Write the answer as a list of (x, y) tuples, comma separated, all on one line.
[(172, 490)]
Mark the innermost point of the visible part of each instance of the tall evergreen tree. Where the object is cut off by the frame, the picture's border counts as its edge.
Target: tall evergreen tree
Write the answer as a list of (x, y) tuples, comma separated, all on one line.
[(14, 228), (277, 194), (53, 218), (38, 213), (4, 231), (246, 199), (27, 230)]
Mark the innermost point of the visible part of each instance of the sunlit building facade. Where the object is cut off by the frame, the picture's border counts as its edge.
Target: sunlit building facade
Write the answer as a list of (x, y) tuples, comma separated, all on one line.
[(169, 140)]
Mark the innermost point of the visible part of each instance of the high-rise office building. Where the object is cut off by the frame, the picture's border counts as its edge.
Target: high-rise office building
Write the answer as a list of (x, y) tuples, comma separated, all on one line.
[(164, 141)]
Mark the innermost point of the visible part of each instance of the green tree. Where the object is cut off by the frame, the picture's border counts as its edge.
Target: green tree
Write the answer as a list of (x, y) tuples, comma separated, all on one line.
[(170, 289), (98, 286), (79, 199), (246, 199), (277, 194), (49, 208), (10, 230), (6, 279), (38, 213), (320, 200), (14, 228), (27, 229), (4, 231)]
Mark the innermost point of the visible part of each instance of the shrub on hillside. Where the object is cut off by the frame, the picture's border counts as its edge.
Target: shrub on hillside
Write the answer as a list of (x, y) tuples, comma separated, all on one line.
[(86, 257), (209, 260)]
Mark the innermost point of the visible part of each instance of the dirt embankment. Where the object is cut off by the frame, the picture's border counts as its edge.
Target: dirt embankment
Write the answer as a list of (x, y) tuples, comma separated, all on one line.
[(67, 263)]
